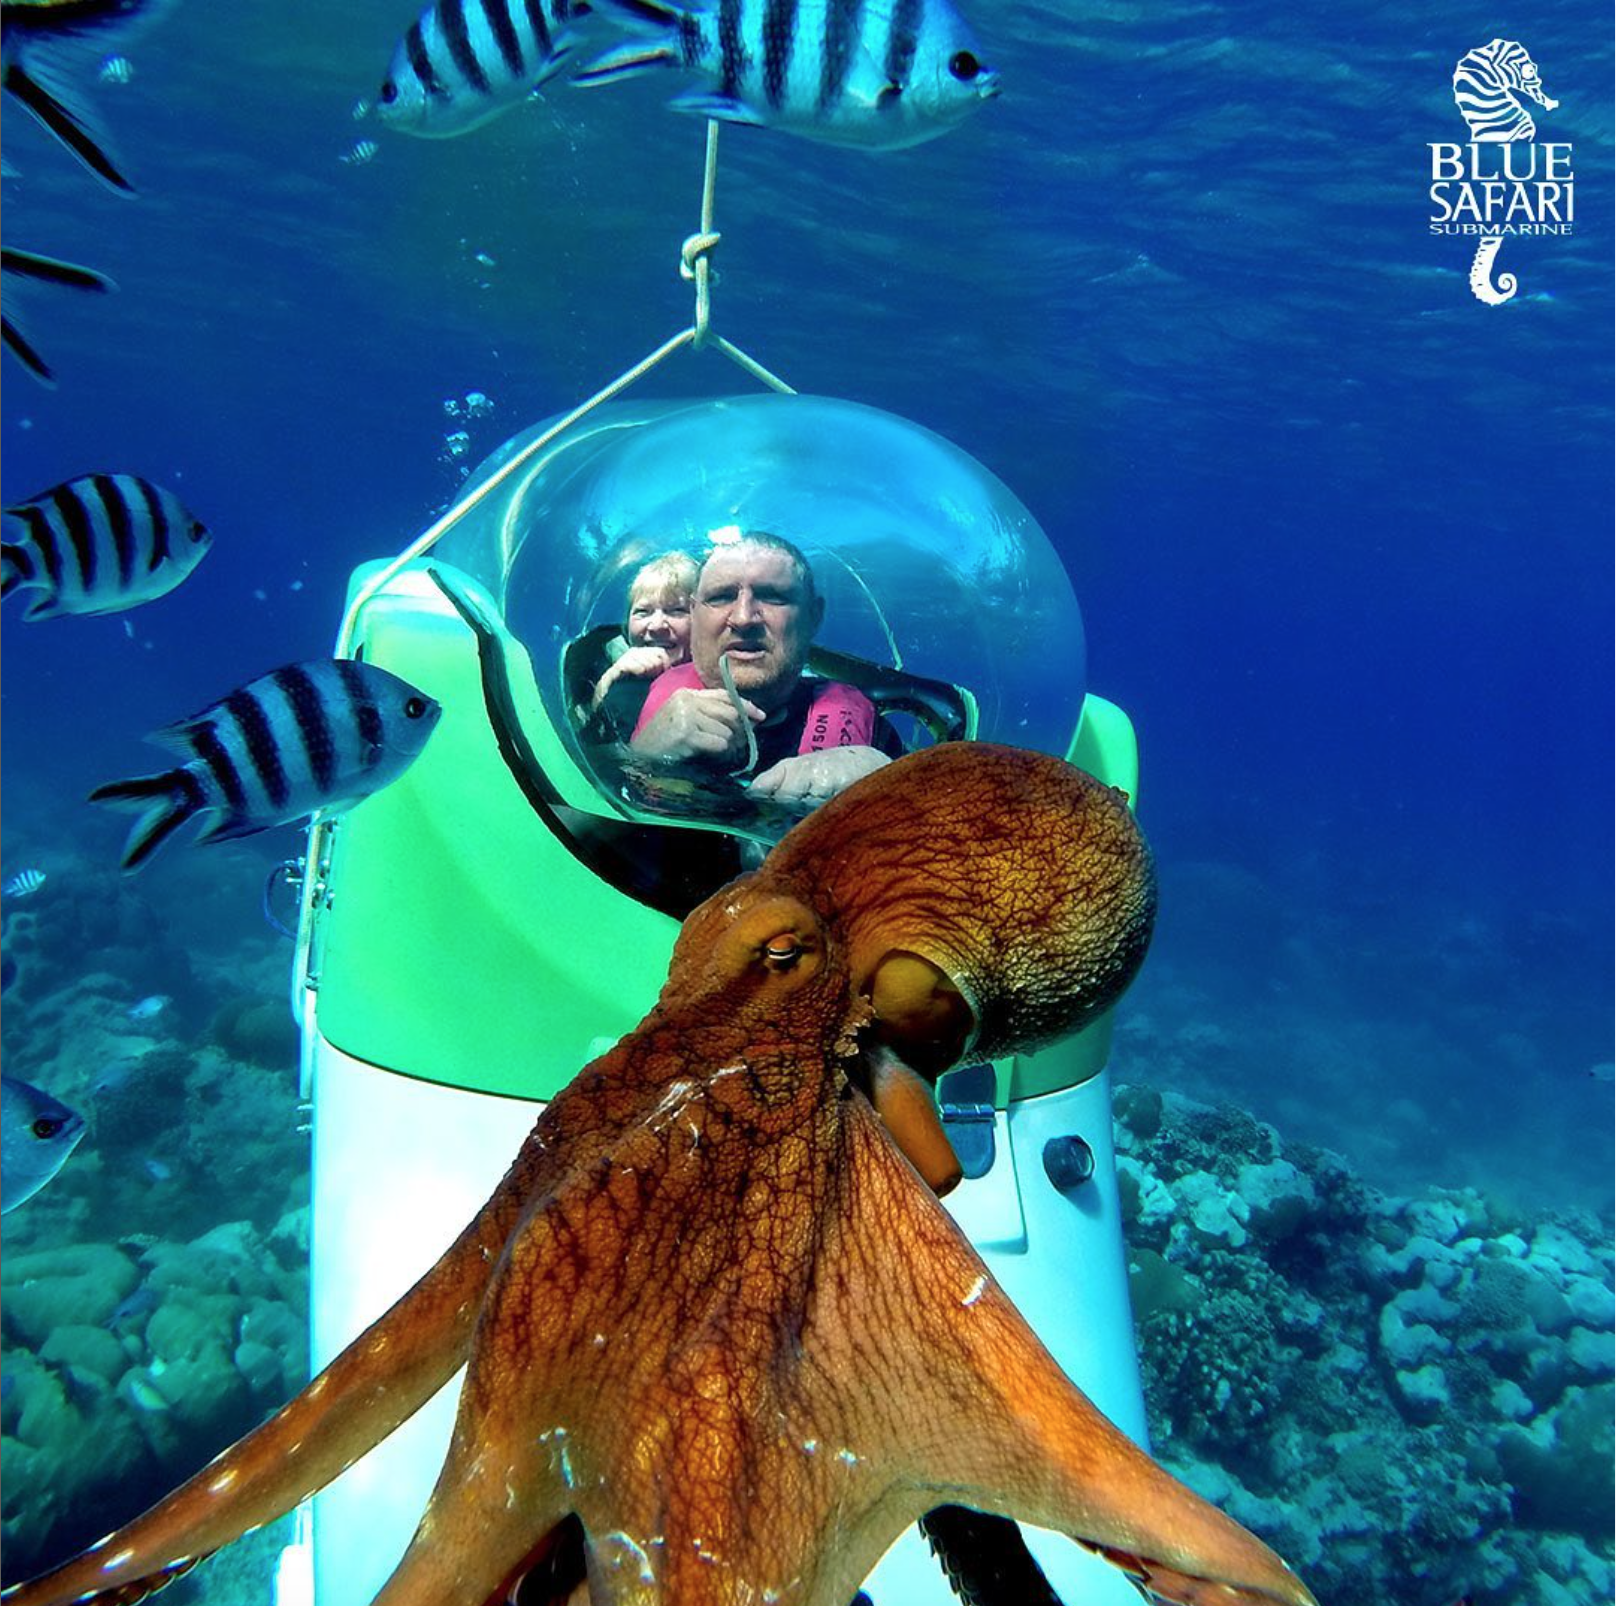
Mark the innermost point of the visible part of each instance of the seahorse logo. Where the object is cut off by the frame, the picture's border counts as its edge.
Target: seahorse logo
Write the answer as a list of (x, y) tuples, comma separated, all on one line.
[(1488, 83)]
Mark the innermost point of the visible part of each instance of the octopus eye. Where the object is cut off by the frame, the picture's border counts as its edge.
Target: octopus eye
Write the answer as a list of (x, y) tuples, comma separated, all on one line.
[(964, 66), (782, 952)]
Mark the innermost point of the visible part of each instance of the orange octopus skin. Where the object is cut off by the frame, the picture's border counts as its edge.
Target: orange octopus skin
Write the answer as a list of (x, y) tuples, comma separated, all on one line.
[(712, 1310)]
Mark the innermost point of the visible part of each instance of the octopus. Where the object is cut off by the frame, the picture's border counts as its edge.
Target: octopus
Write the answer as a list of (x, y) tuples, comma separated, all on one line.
[(722, 1342)]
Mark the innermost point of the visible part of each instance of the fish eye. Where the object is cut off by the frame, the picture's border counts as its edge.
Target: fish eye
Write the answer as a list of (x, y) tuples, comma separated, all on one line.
[(415, 708), (782, 952), (964, 66), (199, 532), (389, 93), (47, 1126)]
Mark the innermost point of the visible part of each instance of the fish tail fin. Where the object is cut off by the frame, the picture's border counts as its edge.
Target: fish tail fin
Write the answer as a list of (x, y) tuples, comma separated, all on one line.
[(51, 97), (53, 50), (15, 567), (52, 270), (655, 26), (168, 801), (720, 108), (624, 61), (24, 350), (96, 26), (647, 17)]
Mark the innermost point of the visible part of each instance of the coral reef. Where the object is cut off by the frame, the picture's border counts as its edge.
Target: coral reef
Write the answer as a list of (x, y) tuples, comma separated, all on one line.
[(1411, 1398), (127, 1366), (153, 1297), (1410, 1394)]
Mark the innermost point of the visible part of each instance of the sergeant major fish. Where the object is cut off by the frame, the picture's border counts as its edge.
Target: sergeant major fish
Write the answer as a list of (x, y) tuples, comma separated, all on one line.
[(37, 1133), (317, 735), (882, 74), (465, 61), (98, 544)]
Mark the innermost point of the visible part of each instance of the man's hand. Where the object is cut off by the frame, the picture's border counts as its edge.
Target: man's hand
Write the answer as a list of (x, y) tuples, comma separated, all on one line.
[(810, 778), (695, 723)]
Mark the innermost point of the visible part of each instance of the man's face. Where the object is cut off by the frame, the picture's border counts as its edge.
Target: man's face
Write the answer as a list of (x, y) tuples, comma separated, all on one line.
[(751, 604)]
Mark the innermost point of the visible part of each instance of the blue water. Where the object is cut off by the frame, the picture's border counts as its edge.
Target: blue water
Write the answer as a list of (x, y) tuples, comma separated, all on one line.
[(1341, 533)]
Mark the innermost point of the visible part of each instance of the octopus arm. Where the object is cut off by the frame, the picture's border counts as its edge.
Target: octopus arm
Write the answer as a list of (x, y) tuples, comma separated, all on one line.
[(904, 1100), (989, 1421), (377, 1383)]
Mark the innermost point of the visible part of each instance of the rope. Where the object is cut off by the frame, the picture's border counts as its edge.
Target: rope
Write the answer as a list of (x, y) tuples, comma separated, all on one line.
[(727, 675), (695, 256), (695, 263)]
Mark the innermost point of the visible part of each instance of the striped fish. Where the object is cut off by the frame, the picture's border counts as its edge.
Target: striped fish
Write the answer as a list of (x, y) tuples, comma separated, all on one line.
[(881, 74), (317, 735), (98, 544), (465, 61)]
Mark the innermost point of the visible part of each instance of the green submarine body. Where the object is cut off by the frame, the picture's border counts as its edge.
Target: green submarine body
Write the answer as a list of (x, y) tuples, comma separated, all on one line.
[(479, 931)]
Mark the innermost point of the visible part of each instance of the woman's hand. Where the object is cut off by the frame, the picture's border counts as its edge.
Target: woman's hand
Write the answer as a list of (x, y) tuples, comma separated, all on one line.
[(640, 662)]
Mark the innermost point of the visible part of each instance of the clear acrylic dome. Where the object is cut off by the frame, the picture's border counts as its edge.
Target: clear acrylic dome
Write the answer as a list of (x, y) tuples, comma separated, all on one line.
[(927, 561)]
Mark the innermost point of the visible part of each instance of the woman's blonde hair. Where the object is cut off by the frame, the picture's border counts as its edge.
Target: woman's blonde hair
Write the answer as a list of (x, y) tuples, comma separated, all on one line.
[(664, 578)]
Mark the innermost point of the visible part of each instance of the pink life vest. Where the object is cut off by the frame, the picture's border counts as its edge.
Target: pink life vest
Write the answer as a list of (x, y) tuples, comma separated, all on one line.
[(838, 716)]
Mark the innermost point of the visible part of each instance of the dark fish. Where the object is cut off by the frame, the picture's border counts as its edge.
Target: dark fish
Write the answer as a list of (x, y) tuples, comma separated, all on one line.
[(44, 270), (317, 735), (99, 544), (841, 71), (37, 1133), (141, 1301), (465, 61), (49, 47)]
